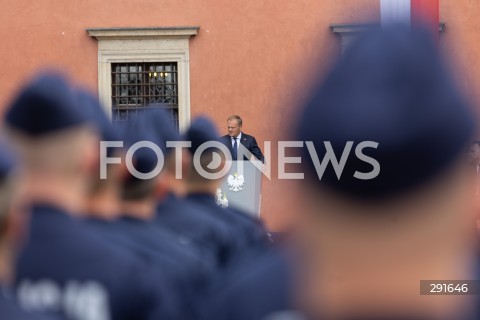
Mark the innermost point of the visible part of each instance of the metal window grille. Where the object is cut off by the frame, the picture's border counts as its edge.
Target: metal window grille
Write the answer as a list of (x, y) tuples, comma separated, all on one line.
[(137, 85)]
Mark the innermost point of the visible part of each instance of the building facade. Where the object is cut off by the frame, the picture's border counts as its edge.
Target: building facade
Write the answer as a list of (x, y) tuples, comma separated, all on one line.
[(255, 58)]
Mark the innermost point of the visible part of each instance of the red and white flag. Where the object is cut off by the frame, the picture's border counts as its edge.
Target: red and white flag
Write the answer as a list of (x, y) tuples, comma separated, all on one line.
[(395, 11), (411, 12)]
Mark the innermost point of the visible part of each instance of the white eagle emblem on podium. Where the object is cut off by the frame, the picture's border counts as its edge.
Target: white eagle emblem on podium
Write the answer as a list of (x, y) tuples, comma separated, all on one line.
[(235, 182)]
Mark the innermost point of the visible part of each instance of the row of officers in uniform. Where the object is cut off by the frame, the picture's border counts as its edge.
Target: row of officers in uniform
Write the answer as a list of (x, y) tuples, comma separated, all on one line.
[(81, 245)]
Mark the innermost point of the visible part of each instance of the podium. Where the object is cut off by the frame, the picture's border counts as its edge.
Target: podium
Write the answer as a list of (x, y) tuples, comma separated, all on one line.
[(242, 186)]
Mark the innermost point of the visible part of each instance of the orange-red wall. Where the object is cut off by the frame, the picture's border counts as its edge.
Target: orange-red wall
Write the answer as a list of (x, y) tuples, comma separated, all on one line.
[(252, 57)]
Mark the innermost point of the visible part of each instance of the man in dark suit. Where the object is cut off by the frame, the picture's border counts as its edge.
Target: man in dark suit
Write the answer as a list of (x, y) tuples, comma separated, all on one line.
[(236, 137)]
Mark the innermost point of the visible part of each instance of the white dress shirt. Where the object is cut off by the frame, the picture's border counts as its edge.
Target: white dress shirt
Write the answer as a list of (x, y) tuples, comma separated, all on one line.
[(239, 137)]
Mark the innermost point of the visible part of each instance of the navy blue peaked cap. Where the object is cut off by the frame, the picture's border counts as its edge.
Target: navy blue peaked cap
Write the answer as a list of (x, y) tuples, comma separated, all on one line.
[(162, 122), (392, 88), (156, 117), (201, 130), (45, 105), (142, 129), (97, 116)]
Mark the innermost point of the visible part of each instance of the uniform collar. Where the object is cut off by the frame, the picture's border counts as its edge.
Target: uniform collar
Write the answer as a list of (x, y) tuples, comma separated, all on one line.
[(199, 196), (44, 208)]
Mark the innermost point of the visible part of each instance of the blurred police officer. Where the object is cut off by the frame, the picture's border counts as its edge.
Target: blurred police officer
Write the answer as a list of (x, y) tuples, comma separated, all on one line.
[(103, 198), (398, 210), (134, 231), (254, 288), (11, 231), (65, 268)]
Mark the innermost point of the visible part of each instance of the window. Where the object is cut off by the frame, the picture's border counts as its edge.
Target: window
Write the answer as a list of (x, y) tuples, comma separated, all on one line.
[(129, 58), (137, 85)]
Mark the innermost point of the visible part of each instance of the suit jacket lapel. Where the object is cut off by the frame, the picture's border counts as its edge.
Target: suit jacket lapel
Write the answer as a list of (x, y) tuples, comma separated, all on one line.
[(244, 140)]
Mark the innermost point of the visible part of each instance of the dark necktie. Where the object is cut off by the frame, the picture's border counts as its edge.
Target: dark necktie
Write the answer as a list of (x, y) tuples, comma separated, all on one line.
[(234, 153)]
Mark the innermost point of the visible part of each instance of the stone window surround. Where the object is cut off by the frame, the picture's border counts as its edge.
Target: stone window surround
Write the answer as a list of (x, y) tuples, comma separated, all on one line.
[(157, 44), (349, 32)]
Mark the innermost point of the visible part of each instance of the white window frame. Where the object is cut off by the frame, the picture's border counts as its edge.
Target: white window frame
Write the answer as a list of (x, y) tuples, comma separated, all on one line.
[(130, 45)]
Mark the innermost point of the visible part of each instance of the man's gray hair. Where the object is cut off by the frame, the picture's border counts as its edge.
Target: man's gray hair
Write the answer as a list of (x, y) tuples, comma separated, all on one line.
[(235, 117)]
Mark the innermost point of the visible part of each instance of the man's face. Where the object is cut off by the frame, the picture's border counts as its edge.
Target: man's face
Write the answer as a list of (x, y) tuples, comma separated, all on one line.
[(474, 153), (233, 128)]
